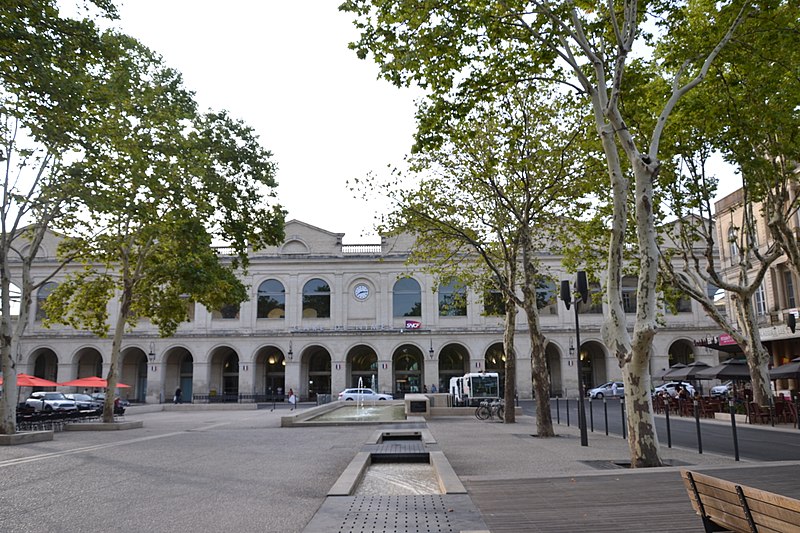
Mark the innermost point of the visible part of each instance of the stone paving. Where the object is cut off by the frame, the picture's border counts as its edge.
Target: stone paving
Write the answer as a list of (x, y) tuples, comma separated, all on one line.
[(240, 471)]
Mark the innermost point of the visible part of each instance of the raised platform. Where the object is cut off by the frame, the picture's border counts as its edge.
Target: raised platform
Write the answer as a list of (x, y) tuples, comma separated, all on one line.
[(25, 437), (104, 426)]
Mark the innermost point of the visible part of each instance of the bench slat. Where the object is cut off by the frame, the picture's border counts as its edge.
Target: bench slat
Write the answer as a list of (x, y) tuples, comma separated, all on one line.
[(772, 513)]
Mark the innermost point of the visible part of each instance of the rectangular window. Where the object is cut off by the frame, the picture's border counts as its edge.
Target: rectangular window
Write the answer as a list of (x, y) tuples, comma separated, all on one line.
[(788, 282), (760, 301)]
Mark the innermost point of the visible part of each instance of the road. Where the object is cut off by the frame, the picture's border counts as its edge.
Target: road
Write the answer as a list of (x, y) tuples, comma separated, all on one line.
[(756, 443)]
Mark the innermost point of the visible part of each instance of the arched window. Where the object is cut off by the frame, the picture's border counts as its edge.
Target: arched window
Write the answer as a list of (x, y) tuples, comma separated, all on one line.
[(407, 298), (41, 295), (316, 299), (271, 299), (452, 299)]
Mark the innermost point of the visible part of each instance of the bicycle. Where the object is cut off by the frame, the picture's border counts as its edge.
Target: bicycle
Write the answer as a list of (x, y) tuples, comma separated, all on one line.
[(487, 410)]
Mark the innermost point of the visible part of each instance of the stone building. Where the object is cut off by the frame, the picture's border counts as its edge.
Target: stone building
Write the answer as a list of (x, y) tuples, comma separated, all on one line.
[(323, 316)]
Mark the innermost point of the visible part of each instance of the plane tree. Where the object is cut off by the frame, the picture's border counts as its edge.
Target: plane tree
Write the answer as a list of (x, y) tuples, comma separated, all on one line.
[(167, 184), (746, 111), (461, 52), (487, 200), (51, 69)]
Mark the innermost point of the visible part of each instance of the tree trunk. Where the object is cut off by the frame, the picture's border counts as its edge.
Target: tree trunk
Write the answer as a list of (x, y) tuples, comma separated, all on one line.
[(10, 397), (539, 373), (757, 356), (116, 345), (510, 389)]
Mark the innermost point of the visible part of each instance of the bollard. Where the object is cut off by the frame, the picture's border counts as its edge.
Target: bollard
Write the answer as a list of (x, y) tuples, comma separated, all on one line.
[(669, 432), (591, 414), (567, 410), (558, 412), (622, 415), (733, 430), (772, 411), (605, 413), (697, 423)]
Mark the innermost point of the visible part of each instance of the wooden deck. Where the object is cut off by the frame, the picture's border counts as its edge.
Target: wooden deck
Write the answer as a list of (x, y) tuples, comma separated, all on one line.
[(642, 501)]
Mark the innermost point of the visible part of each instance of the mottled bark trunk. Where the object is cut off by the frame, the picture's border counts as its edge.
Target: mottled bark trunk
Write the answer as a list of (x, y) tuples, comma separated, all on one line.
[(510, 389), (8, 402), (116, 346), (757, 356), (539, 373)]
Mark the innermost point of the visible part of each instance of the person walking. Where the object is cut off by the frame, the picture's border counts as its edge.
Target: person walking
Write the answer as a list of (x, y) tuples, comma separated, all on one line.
[(292, 399), (178, 398)]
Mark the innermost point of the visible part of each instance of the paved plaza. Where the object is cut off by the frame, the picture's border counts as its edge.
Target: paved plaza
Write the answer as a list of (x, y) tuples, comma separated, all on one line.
[(239, 471)]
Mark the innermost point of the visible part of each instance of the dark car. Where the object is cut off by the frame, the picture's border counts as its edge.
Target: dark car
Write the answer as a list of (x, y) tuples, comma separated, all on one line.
[(85, 402)]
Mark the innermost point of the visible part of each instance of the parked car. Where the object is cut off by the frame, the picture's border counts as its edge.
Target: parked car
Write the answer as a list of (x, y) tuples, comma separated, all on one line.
[(101, 397), (722, 391), (50, 401), (671, 388), (363, 394), (84, 401), (607, 389)]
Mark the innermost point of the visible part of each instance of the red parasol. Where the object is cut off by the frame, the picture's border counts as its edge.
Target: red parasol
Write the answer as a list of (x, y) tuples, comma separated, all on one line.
[(92, 382), (26, 380)]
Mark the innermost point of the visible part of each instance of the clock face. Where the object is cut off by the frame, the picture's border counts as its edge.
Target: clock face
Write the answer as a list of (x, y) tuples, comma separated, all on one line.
[(361, 291)]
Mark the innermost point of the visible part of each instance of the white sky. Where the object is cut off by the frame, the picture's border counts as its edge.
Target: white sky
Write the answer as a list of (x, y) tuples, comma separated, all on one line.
[(283, 66)]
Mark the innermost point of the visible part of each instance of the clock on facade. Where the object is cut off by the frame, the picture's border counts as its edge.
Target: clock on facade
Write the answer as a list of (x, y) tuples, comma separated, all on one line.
[(361, 291)]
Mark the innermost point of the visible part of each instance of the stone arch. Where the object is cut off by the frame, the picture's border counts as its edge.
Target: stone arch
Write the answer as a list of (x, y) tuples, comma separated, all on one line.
[(592, 357), (224, 378), (133, 372), (270, 374), (408, 363), (681, 351), (316, 371), (179, 373), (453, 362), (362, 363)]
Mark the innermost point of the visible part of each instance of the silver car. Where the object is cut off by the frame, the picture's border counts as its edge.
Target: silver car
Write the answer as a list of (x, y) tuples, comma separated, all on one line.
[(50, 401), (363, 394), (607, 390)]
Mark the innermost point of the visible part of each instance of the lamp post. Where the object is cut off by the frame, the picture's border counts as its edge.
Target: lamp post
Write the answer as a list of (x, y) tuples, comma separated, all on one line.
[(582, 294)]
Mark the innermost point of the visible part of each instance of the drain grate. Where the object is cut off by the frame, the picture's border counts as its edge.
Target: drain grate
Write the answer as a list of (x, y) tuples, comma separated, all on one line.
[(622, 464), (409, 514)]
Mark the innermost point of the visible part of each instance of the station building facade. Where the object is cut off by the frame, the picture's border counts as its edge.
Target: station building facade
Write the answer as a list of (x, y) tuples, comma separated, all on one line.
[(323, 316)]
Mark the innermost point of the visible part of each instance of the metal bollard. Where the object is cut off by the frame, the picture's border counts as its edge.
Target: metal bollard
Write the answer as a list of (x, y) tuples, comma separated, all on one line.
[(591, 414), (697, 423), (733, 430), (558, 412), (622, 414), (669, 432), (567, 399), (605, 413)]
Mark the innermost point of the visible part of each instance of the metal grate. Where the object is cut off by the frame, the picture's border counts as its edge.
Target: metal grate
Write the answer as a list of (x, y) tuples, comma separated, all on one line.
[(410, 514)]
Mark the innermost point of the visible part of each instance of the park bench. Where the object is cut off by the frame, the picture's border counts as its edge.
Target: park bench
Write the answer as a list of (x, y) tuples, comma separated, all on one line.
[(727, 506)]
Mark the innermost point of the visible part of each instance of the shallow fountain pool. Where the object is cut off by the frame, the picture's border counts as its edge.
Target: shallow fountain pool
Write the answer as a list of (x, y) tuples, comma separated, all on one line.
[(363, 413)]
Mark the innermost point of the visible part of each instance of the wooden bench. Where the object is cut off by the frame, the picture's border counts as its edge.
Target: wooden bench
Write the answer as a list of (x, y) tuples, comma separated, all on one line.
[(726, 506)]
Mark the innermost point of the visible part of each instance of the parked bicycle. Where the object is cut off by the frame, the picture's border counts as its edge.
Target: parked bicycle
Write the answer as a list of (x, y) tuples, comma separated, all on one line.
[(487, 410)]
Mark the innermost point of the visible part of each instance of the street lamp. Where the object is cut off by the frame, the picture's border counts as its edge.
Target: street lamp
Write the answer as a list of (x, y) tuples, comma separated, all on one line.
[(582, 294), (290, 353), (430, 351)]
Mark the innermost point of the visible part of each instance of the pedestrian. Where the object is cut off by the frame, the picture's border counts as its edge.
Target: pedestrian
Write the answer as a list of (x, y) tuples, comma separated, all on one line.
[(292, 399), (178, 398), (614, 389), (433, 389)]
